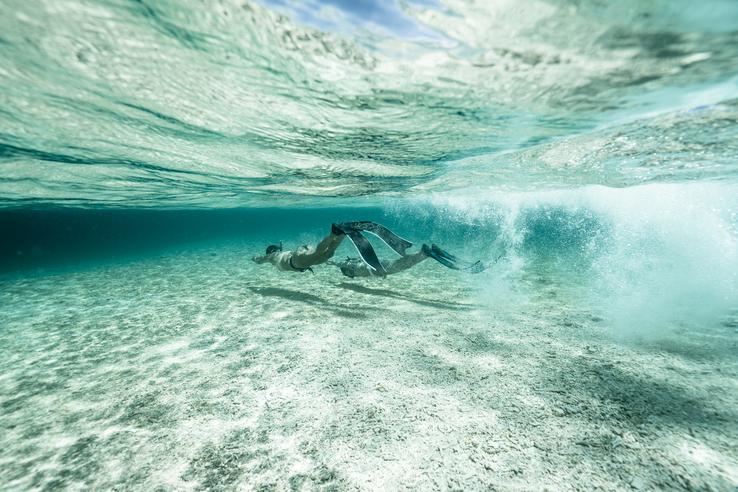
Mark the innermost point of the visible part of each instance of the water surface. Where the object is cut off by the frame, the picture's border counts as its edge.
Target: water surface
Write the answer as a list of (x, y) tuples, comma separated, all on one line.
[(584, 151)]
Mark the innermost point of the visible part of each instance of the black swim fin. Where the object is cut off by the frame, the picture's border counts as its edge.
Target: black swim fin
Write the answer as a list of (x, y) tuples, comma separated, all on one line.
[(365, 249), (448, 260), (397, 243), (434, 253)]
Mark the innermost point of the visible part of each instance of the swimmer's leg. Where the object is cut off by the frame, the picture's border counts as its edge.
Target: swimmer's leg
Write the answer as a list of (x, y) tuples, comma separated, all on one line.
[(408, 261), (323, 252)]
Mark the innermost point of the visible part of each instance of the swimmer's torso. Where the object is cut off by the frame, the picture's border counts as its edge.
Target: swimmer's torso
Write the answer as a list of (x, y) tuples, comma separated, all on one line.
[(283, 260)]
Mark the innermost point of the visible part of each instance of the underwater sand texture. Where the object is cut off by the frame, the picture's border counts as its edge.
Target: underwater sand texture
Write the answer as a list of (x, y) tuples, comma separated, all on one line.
[(201, 370)]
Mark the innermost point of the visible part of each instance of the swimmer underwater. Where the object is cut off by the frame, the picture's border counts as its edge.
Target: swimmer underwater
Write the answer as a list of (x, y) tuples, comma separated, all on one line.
[(305, 257)]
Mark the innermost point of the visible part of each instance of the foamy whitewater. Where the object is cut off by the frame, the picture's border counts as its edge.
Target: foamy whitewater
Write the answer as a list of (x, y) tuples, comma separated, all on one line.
[(584, 151)]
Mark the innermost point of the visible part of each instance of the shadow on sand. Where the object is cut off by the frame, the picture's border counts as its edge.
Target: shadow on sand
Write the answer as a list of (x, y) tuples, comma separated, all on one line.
[(397, 295), (345, 311)]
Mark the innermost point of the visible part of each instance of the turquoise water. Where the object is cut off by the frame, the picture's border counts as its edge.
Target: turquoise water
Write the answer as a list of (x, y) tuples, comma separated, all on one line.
[(585, 151)]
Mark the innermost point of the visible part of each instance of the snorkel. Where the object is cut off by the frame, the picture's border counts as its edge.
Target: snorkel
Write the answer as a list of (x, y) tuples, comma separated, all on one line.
[(274, 248)]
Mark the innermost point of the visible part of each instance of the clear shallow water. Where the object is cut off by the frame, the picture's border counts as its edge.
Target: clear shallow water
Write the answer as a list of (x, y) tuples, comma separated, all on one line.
[(586, 152), (194, 369), (144, 349)]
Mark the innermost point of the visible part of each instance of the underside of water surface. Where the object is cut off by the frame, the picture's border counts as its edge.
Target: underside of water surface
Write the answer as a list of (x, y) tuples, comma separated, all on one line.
[(584, 153)]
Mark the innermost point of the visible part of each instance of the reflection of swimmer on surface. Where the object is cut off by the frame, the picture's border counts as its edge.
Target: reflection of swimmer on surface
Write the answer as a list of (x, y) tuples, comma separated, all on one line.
[(304, 257)]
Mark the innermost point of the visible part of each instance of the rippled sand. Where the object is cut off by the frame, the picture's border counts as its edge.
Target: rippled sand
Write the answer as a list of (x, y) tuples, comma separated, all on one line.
[(198, 369)]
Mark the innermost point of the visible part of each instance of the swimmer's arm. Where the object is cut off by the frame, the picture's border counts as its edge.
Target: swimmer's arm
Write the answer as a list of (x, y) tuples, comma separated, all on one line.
[(272, 258)]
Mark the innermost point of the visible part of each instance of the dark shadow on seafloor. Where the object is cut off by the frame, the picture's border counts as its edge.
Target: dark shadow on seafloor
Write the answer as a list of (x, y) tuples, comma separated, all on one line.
[(438, 304), (345, 311)]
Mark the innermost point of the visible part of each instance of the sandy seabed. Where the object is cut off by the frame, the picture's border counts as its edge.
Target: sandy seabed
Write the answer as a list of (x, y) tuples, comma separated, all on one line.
[(200, 370)]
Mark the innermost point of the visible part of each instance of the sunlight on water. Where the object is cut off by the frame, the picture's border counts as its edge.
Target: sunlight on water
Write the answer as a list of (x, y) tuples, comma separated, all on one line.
[(232, 103)]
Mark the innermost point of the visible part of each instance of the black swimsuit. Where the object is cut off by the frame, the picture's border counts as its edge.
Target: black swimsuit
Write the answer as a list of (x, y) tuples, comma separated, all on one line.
[(299, 269)]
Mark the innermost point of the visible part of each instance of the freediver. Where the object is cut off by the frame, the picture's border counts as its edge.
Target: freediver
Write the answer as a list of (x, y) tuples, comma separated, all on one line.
[(305, 257)]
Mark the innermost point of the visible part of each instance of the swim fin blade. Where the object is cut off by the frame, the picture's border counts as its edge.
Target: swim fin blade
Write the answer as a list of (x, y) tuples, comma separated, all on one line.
[(365, 249), (448, 260), (397, 243)]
